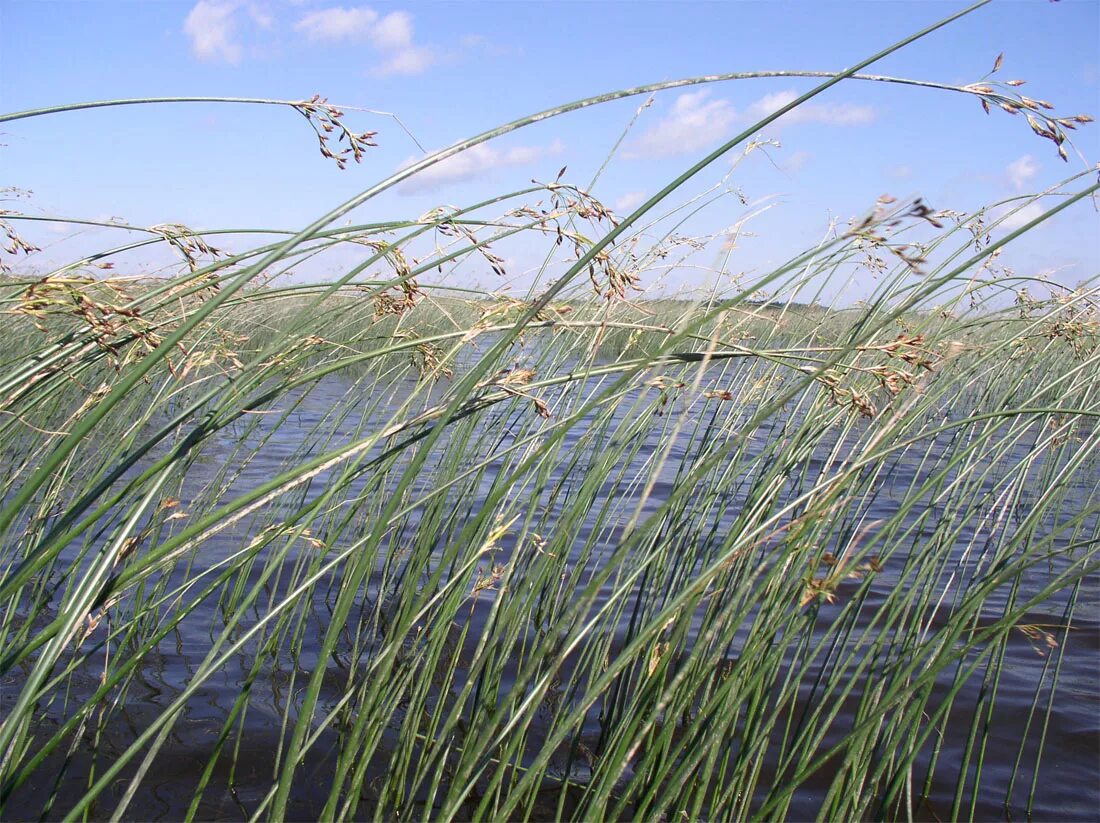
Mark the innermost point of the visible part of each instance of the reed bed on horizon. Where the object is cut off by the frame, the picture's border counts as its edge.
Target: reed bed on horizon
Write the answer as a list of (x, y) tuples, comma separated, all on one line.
[(382, 547)]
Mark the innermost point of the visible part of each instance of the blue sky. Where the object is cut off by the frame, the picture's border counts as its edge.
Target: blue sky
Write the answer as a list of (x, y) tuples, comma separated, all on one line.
[(450, 70)]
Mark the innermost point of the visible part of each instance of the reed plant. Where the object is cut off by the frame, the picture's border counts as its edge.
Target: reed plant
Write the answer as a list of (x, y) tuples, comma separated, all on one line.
[(387, 546)]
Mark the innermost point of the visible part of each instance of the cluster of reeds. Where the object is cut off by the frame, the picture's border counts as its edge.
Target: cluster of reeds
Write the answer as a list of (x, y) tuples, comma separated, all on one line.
[(384, 547)]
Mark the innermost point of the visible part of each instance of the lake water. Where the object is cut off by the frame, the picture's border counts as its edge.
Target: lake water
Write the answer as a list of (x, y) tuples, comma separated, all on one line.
[(1068, 782)]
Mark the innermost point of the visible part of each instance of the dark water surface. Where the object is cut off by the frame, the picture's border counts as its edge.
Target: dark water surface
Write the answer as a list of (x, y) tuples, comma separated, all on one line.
[(1067, 783)]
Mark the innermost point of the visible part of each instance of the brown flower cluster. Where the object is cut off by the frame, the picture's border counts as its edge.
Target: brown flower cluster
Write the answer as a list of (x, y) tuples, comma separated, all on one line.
[(326, 120), (1004, 97)]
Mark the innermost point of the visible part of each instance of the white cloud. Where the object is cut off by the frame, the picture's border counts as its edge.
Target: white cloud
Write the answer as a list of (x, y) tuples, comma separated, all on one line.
[(769, 103), (413, 60), (481, 43), (902, 172), (391, 34), (260, 17), (1022, 217), (629, 201), (211, 27), (394, 31), (797, 161), (472, 163), (525, 154), (694, 123), (337, 23), (1021, 171), (828, 114)]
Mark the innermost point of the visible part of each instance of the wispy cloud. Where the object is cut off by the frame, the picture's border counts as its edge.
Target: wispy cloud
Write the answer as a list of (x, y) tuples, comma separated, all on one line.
[(212, 27), (827, 114), (473, 163), (413, 60), (260, 16), (694, 123), (1021, 171), (394, 31), (697, 122), (481, 43), (390, 34), (796, 161), (337, 23), (1022, 217), (629, 201)]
